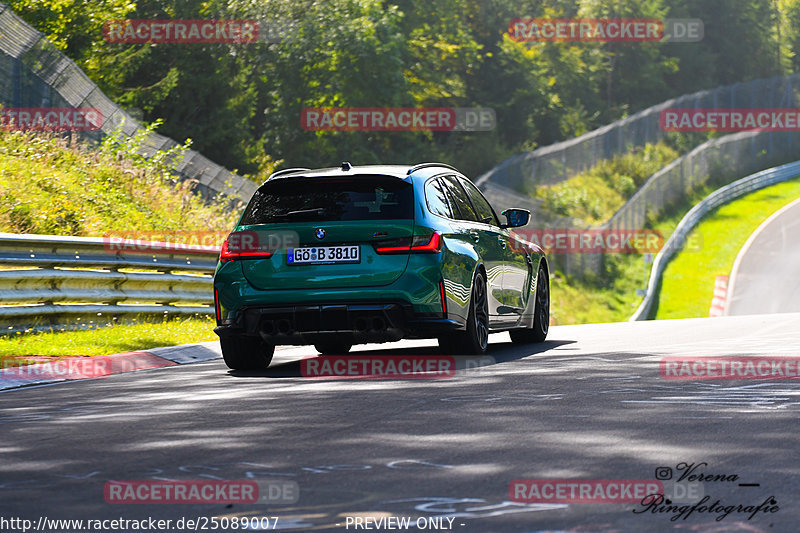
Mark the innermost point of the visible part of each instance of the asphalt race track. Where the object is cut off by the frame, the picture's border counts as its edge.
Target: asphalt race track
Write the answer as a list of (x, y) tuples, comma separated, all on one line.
[(589, 403), (766, 279)]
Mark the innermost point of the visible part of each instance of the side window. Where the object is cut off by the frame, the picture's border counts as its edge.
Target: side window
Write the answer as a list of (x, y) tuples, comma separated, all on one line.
[(451, 200), (461, 199), (481, 205), (436, 199)]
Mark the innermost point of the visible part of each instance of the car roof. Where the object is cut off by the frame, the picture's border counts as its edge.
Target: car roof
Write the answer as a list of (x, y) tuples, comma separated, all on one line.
[(403, 172)]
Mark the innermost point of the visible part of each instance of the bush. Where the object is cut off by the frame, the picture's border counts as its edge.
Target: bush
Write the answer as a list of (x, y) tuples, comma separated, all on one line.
[(595, 195), (55, 185)]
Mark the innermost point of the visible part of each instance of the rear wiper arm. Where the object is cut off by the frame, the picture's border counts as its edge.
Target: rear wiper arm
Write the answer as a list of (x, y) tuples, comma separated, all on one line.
[(319, 210)]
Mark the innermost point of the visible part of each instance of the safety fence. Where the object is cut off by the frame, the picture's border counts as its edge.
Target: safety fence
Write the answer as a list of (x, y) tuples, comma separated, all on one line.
[(720, 160), (34, 73), (554, 163)]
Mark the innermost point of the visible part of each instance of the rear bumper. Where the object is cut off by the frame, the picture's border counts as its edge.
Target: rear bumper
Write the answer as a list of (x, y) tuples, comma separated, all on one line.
[(356, 323)]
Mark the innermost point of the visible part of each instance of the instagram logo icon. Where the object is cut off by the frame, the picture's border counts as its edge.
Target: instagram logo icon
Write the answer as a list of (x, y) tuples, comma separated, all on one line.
[(663, 473)]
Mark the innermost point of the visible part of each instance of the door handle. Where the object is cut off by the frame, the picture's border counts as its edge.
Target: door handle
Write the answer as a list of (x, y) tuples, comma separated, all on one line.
[(475, 236)]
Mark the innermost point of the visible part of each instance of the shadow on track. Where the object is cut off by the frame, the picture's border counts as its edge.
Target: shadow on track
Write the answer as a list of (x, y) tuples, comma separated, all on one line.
[(498, 353)]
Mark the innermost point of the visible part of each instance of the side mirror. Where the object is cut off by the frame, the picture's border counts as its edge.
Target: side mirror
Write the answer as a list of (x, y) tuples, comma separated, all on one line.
[(516, 218)]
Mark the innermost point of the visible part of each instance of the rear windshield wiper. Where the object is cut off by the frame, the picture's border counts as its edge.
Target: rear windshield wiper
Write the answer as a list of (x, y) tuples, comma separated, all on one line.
[(315, 210)]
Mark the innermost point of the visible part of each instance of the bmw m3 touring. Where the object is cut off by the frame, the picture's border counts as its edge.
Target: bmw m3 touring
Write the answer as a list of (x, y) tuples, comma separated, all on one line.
[(349, 255)]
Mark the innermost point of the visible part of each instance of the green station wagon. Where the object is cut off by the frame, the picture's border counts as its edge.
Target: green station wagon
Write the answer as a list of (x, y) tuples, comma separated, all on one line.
[(350, 255)]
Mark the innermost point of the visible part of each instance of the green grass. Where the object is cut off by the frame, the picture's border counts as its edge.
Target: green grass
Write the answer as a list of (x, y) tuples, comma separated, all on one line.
[(595, 195), (50, 186), (107, 340), (611, 296), (688, 282), (581, 302)]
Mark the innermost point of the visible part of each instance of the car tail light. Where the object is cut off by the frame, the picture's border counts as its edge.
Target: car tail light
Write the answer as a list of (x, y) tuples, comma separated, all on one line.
[(226, 254), (444, 298), (217, 308), (418, 244)]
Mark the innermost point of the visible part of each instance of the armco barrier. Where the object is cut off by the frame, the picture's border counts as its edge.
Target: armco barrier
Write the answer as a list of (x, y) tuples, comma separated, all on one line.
[(721, 158), (721, 196), (73, 282)]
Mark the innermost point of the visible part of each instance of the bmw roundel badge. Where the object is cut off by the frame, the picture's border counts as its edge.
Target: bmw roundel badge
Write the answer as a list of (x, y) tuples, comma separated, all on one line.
[(320, 233)]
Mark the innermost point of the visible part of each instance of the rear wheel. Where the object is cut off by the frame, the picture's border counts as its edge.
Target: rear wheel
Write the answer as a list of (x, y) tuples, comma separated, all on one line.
[(333, 347), (541, 320), (246, 353), (475, 339)]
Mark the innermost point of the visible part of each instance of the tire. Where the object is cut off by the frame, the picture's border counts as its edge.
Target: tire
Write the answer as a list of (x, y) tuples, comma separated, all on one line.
[(541, 317), (246, 353), (448, 344), (475, 339), (333, 347)]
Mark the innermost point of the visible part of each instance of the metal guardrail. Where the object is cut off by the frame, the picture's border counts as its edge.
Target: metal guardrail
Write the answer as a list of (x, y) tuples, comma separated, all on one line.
[(724, 157), (52, 282), (721, 196)]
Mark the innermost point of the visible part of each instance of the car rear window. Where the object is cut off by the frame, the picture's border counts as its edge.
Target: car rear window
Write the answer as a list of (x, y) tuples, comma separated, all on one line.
[(301, 199)]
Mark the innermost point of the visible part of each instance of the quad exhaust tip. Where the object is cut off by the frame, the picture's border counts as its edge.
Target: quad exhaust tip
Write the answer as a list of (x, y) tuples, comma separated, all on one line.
[(361, 324)]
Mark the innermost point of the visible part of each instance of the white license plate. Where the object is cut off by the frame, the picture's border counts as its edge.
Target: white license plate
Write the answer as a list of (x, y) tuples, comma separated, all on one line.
[(324, 255)]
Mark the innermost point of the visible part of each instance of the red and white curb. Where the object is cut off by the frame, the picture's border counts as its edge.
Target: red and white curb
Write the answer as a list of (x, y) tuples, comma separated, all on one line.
[(75, 368), (720, 296)]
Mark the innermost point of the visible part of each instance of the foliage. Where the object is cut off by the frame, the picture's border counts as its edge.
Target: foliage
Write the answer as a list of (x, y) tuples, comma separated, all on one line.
[(241, 103), (118, 146), (52, 186), (595, 195), (688, 281), (139, 334)]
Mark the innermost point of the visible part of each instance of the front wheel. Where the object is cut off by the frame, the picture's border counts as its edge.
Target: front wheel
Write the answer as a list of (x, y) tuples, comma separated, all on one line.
[(541, 317), (475, 339), (246, 353)]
